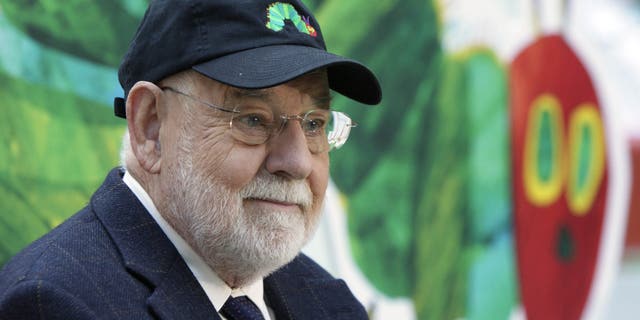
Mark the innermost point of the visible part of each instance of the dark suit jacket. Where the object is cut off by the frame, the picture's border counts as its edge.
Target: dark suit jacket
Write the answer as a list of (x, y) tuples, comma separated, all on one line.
[(112, 261)]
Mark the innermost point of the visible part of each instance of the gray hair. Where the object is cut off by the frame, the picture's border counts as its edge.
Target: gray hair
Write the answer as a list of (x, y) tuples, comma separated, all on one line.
[(126, 152)]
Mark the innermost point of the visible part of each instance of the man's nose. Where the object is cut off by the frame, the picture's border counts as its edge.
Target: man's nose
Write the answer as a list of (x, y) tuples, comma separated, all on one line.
[(289, 153)]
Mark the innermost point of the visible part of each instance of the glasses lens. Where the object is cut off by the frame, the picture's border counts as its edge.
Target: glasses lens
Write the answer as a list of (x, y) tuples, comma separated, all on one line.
[(338, 129), (324, 130), (315, 124), (252, 125)]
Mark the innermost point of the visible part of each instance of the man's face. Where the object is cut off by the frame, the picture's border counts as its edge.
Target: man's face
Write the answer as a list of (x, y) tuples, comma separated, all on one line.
[(247, 210)]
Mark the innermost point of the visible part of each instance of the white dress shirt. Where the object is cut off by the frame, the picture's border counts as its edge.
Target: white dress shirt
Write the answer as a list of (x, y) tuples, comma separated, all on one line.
[(217, 290)]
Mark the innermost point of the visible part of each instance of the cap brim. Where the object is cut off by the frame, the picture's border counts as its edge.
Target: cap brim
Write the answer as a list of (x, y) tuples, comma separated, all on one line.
[(273, 65)]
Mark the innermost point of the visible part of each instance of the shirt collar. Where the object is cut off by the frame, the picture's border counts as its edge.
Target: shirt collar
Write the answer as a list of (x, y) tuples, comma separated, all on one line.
[(217, 290)]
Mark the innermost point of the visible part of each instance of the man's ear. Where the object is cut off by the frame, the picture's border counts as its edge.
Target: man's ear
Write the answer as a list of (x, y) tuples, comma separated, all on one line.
[(144, 122)]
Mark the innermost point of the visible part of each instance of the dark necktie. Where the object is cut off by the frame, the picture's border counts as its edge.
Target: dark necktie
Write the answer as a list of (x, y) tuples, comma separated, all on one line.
[(241, 308)]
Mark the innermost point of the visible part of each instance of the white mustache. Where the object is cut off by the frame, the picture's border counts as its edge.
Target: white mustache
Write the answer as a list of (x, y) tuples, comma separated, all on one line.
[(274, 188)]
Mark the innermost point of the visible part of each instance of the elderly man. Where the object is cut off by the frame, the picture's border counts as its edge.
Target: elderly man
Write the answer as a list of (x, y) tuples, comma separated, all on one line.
[(225, 165)]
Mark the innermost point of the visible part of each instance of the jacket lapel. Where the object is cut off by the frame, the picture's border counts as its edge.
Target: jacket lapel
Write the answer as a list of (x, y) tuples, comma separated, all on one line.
[(179, 296), (148, 254), (294, 292)]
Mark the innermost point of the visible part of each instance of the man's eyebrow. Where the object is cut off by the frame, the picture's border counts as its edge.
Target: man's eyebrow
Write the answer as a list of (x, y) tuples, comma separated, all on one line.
[(323, 101), (263, 94)]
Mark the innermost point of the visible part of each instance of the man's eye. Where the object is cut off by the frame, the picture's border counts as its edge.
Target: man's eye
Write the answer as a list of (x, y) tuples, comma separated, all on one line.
[(250, 121), (313, 125)]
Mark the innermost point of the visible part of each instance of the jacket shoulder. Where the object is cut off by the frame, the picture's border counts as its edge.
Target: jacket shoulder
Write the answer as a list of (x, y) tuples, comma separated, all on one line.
[(78, 262), (70, 256), (302, 289), (54, 253), (39, 299)]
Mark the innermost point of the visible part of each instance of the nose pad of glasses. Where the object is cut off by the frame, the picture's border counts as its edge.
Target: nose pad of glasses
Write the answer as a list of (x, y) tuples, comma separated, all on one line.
[(289, 136), (284, 119), (283, 123)]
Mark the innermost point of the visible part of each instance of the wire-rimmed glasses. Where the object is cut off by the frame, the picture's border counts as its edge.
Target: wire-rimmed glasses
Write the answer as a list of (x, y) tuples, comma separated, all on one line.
[(325, 130)]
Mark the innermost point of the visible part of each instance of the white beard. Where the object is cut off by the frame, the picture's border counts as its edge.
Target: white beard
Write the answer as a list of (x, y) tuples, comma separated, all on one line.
[(240, 246)]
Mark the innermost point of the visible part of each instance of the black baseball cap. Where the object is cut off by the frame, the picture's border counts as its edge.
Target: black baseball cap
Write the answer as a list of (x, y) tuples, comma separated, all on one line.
[(249, 44)]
